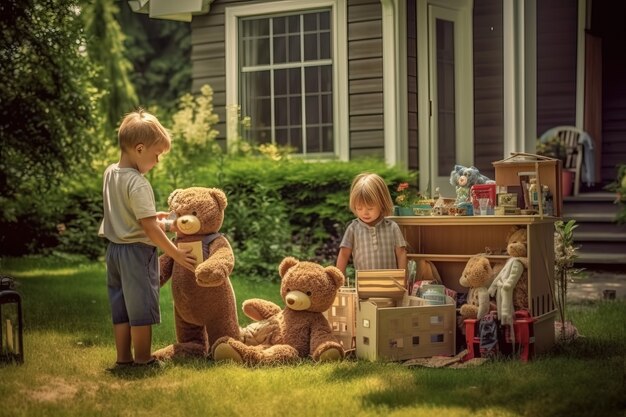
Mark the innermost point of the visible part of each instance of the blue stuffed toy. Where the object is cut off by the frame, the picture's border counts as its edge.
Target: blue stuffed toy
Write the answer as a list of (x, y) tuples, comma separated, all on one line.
[(463, 178)]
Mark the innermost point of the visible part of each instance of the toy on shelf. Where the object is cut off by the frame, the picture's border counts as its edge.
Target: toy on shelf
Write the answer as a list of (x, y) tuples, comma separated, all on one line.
[(463, 178)]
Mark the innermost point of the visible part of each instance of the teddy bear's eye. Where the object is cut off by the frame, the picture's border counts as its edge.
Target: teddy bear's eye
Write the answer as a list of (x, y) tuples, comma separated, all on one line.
[(308, 293), (193, 213), (288, 290)]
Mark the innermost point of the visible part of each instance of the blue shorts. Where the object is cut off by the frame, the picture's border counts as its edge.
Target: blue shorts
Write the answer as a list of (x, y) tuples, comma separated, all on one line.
[(133, 283)]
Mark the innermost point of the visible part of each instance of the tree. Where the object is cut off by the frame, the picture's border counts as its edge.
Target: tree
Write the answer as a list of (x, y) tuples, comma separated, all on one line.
[(47, 114), (105, 46), (160, 51)]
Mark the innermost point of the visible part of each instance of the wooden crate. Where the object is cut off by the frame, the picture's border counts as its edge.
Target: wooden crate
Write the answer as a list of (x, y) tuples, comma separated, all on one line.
[(388, 327), (342, 317), (546, 170)]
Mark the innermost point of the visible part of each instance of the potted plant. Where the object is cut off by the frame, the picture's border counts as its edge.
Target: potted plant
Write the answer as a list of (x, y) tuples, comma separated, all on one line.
[(564, 257), (619, 188), (554, 148), (405, 198)]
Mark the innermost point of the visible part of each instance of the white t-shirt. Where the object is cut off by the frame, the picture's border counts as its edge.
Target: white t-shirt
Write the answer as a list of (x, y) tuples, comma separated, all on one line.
[(127, 197)]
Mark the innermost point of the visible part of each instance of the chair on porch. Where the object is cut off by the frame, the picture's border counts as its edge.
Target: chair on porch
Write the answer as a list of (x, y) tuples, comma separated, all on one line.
[(578, 156)]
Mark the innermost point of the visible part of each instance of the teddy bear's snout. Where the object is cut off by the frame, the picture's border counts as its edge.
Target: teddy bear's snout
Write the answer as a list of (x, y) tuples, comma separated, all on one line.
[(188, 224), (297, 300)]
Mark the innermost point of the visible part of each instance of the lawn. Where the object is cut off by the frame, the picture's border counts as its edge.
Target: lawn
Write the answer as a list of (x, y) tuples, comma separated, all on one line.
[(69, 345)]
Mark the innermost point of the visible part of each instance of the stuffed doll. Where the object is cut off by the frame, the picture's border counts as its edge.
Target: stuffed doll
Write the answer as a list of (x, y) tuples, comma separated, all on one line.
[(463, 178), (510, 286), (300, 330)]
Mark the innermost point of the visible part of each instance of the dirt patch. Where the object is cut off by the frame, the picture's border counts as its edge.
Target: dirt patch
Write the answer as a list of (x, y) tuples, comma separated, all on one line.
[(53, 390)]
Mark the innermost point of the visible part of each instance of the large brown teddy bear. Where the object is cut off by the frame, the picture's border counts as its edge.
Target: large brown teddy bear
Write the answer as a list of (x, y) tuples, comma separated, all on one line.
[(477, 276), (510, 286), (298, 331), (204, 302)]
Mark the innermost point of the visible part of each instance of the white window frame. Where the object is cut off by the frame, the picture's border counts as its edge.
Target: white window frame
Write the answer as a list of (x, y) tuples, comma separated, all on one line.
[(340, 72)]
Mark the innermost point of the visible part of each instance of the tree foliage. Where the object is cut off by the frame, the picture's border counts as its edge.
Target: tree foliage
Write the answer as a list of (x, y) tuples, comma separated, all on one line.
[(46, 100), (160, 51), (105, 46)]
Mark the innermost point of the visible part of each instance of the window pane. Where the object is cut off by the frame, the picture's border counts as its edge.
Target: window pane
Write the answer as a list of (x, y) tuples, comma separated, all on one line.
[(295, 108), (310, 22), (327, 108), (312, 110), (294, 48), (255, 52), (326, 73), (281, 112), (311, 79), (310, 47), (325, 49), (280, 49), (255, 27), (294, 24), (327, 139), (324, 19), (279, 25), (313, 139)]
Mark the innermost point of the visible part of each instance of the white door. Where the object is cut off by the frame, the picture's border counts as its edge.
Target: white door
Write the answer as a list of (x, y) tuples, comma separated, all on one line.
[(445, 93)]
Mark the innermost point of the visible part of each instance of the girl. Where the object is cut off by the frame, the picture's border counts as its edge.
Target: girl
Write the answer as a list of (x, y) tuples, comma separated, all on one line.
[(373, 241)]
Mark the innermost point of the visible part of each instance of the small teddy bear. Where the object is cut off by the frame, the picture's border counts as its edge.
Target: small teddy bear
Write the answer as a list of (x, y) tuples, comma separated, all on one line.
[(204, 302), (463, 178), (510, 286), (477, 276), (299, 330)]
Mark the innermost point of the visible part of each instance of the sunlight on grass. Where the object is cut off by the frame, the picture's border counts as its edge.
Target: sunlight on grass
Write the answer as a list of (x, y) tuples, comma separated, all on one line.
[(69, 346)]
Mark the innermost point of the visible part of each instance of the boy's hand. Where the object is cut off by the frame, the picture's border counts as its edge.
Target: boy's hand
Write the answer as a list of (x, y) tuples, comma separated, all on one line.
[(185, 258)]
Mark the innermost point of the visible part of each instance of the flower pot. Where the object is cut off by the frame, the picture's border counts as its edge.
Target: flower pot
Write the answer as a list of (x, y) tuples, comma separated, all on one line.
[(567, 183), (405, 211)]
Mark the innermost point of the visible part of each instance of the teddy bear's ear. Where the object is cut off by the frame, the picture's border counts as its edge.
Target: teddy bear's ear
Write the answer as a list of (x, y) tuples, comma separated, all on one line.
[(336, 275), (219, 197), (172, 195), (286, 265)]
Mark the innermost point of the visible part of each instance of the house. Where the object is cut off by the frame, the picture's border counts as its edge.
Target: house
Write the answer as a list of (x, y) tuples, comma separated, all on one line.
[(423, 84)]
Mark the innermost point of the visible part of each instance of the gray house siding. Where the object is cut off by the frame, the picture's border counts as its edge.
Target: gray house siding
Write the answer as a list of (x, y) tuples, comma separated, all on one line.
[(412, 109), (556, 63), (365, 78), (208, 58), (488, 85), (608, 20)]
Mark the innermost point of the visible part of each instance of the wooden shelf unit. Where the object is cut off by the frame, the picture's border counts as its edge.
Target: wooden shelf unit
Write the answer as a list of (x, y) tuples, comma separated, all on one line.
[(449, 241)]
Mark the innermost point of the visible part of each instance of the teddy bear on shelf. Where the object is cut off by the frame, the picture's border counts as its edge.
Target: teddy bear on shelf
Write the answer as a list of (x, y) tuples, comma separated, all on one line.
[(463, 178), (204, 302), (299, 330), (510, 286), (477, 276)]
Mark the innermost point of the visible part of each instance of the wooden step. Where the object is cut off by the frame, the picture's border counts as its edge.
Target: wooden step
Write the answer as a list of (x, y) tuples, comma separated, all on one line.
[(601, 258)]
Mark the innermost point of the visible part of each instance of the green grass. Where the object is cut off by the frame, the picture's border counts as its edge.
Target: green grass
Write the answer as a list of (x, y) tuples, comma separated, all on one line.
[(69, 345)]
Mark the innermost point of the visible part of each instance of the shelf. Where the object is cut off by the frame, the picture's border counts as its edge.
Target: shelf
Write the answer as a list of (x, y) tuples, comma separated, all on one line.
[(453, 258), (470, 220)]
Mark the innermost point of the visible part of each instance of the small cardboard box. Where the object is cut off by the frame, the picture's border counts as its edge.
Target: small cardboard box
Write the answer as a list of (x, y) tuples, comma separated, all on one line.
[(390, 325)]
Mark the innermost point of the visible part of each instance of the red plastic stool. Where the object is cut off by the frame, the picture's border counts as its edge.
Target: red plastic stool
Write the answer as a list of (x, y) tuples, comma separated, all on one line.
[(524, 337)]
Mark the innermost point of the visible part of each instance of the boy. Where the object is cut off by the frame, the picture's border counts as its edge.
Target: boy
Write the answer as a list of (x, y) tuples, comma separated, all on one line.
[(134, 230)]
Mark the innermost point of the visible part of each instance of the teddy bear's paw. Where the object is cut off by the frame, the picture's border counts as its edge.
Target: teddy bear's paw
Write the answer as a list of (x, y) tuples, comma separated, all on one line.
[(209, 280), (225, 352), (331, 355)]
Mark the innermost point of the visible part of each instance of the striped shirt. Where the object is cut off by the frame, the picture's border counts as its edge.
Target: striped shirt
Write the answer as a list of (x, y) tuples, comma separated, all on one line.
[(373, 247)]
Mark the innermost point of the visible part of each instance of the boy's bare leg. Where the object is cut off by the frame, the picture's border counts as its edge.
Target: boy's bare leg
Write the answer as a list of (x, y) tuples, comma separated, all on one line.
[(122, 342), (142, 343)]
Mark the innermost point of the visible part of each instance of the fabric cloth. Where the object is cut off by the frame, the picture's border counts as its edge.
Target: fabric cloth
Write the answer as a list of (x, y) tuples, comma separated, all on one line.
[(133, 283), (373, 247), (127, 198), (587, 170)]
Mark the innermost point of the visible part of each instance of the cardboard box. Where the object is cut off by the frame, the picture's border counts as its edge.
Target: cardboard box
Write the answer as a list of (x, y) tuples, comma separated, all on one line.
[(390, 325)]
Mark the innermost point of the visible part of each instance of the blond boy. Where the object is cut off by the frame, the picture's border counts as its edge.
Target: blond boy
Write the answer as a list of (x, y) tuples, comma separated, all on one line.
[(135, 230)]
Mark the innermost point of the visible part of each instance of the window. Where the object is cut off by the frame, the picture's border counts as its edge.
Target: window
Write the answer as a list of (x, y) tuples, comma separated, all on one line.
[(284, 71)]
